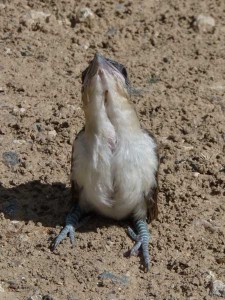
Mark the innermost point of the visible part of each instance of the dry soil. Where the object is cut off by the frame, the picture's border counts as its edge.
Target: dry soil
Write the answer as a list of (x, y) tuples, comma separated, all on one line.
[(175, 60)]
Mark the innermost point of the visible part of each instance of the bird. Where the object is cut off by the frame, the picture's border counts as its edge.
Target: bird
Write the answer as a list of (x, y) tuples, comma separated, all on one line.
[(115, 162)]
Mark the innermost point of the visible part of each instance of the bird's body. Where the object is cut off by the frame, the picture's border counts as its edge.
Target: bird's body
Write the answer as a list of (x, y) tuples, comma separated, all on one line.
[(114, 161), (115, 176)]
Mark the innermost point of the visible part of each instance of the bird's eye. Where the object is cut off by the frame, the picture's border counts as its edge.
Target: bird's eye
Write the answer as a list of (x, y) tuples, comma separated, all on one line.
[(106, 97), (84, 73)]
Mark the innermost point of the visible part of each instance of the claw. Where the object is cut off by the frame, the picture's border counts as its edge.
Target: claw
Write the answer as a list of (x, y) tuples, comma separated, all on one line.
[(132, 234), (68, 229), (142, 240), (135, 249), (74, 220)]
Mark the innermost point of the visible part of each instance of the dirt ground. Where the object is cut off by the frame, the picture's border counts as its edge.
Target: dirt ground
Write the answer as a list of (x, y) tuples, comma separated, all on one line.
[(175, 60)]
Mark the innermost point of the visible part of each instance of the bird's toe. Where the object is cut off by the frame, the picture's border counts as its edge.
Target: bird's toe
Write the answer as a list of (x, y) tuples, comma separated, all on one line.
[(68, 229)]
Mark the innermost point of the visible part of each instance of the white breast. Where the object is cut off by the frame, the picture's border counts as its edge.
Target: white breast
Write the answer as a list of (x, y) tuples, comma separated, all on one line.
[(114, 181)]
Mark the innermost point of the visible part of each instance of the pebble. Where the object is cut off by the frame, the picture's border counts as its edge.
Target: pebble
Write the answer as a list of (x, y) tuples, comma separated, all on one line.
[(196, 174), (86, 46), (85, 14), (8, 51), (25, 52), (1, 289), (206, 224), (37, 126), (38, 296), (205, 24), (39, 15), (19, 142), (124, 280), (111, 31), (22, 110), (47, 297), (217, 288), (18, 111), (35, 297), (119, 6), (10, 158), (10, 207), (111, 296), (52, 133), (15, 222), (30, 18), (220, 259)]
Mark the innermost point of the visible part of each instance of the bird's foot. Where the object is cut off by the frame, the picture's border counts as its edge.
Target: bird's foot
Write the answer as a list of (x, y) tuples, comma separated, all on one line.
[(142, 240), (73, 221), (68, 229)]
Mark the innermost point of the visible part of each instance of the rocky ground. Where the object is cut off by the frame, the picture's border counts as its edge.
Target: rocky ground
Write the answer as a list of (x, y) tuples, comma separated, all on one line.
[(174, 52)]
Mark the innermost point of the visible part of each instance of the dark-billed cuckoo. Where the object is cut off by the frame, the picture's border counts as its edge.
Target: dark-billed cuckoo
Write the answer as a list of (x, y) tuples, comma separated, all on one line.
[(114, 161)]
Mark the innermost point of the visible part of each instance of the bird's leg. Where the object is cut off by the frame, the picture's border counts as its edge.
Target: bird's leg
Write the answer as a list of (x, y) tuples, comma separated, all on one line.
[(74, 220), (142, 240)]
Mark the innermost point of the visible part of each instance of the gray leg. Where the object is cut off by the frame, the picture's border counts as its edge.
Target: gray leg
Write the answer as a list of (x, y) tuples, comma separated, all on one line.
[(142, 240), (73, 221)]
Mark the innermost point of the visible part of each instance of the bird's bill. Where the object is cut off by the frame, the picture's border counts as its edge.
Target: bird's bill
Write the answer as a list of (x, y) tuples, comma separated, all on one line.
[(103, 80), (100, 66)]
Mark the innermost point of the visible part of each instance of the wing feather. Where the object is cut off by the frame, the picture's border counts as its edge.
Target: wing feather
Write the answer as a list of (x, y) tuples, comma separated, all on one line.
[(75, 188), (152, 197)]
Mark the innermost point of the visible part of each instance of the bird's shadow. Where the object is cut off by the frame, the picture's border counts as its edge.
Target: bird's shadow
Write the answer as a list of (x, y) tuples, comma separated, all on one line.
[(47, 204), (44, 203)]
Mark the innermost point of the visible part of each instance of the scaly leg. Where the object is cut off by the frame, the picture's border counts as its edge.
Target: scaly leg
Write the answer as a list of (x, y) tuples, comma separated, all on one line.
[(142, 240), (73, 221)]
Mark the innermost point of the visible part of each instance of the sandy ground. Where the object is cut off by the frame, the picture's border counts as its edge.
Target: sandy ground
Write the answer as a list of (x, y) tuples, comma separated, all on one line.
[(175, 60)]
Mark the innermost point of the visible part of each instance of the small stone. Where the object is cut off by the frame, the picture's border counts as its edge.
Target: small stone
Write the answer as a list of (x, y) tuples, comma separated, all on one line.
[(47, 297), (8, 51), (10, 207), (85, 14), (52, 133), (108, 248), (217, 288), (111, 31), (35, 297), (119, 6), (196, 174), (19, 142), (188, 148), (33, 16), (1, 89), (206, 224), (220, 259), (124, 280), (18, 111), (205, 24), (22, 110), (39, 15), (15, 222), (86, 46), (10, 158), (25, 52), (38, 127), (1, 289), (111, 296)]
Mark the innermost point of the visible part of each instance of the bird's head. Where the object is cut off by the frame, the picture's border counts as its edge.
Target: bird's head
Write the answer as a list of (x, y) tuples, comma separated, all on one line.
[(105, 94), (104, 81)]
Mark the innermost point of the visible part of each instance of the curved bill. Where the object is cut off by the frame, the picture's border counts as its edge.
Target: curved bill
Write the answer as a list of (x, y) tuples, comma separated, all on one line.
[(101, 63)]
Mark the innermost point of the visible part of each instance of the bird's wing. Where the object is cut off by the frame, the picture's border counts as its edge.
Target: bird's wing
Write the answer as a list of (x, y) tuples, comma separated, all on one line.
[(75, 188), (151, 197), (152, 205)]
